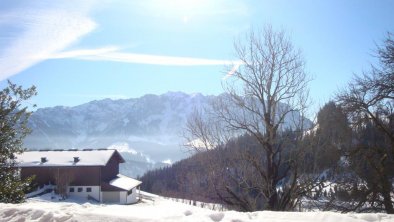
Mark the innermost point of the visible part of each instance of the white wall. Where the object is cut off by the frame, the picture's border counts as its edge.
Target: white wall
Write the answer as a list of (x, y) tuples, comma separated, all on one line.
[(95, 192), (110, 197), (132, 198), (128, 199), (123, 197)]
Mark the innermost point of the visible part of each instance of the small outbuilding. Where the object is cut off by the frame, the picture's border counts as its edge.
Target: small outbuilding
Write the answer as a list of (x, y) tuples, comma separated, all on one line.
[(88, 173)]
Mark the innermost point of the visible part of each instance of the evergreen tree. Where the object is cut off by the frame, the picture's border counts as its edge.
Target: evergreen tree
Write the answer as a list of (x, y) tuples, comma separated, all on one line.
[(332, 137), (13, 129)]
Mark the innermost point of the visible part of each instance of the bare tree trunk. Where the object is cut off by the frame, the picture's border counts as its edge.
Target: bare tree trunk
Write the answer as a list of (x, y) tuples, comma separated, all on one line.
[(63, 178)]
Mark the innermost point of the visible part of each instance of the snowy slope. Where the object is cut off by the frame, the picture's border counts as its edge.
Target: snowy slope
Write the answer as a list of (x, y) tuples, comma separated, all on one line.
[(159, 209)]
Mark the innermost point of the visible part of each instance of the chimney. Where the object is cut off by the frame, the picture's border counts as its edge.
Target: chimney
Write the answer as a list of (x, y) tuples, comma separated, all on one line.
[(43, 159), (76, 159)]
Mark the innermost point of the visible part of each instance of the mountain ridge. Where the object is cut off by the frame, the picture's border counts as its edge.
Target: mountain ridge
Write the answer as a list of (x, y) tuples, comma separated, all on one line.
[(151, 125)]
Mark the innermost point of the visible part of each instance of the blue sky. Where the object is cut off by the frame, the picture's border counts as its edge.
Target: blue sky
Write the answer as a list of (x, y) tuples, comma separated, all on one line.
[(77, 51)]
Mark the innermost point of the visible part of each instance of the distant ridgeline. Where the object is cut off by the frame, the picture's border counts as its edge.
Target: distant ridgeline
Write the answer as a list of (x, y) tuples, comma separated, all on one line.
[(146, 130)]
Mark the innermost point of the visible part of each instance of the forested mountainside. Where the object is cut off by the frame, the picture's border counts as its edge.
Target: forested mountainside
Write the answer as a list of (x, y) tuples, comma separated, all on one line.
[(330, 159)]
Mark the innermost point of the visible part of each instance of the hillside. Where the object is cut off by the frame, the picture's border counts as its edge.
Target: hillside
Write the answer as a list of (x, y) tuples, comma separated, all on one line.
[(159, 209), (147, 130)]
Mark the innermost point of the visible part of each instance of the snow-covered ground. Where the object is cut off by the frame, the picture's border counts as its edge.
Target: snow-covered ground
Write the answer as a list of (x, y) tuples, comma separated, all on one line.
[(43, 209)]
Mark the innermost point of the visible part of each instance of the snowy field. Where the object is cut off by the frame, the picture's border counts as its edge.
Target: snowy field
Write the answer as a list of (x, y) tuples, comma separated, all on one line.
[(158, 209)]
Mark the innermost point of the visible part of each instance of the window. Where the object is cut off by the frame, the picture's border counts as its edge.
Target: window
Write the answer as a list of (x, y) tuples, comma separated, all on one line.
[(79, 189), (129, 192), (71, 190), (88, 189)]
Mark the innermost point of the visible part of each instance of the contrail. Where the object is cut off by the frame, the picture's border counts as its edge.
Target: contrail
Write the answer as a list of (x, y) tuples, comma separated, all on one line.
[(112, 53)]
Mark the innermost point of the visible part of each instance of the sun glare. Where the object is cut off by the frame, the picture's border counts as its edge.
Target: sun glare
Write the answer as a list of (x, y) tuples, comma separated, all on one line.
[(185, 5), (184, 10)]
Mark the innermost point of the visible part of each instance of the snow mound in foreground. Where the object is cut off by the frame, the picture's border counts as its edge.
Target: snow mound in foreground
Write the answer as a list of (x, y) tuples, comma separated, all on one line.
[(159, 209)]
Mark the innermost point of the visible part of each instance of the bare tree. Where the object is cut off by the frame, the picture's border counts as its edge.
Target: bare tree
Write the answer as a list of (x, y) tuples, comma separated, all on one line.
[(266, 95), (63, 178), (369, 102)]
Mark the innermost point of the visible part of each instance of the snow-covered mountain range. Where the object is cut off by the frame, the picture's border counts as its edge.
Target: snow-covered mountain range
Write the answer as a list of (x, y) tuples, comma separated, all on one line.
[(146, 130)]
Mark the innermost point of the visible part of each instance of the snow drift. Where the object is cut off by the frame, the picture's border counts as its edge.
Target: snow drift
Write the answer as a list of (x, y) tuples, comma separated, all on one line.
[(156, 208)]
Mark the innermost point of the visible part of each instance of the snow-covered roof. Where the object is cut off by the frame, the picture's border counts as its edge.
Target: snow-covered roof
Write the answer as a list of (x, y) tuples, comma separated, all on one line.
[(124, 182), (86, 157)]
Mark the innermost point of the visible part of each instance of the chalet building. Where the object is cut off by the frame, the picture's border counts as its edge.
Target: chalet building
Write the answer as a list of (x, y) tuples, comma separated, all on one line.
[(87, 173)]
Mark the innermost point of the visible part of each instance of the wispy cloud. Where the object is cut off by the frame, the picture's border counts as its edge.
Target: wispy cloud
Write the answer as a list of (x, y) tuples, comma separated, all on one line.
[(113, 54), (34, 34), (81, 53), (156, 59)]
